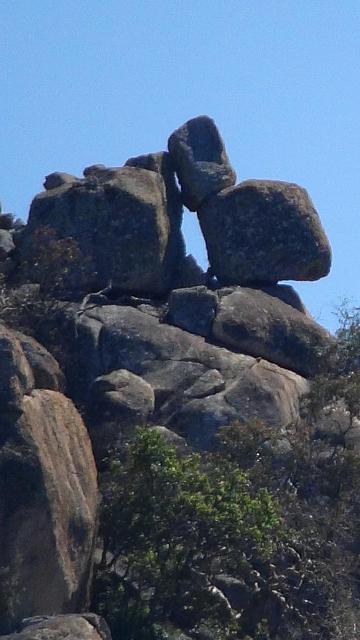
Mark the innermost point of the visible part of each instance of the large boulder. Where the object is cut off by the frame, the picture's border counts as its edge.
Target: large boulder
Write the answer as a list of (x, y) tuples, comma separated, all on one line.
[(48, 495), (85, 626), (200, 160), (264, 231), (118, 228), (254, 322)]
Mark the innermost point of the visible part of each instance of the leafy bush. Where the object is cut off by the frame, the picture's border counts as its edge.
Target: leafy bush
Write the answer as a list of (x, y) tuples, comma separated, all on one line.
[(168, 524)]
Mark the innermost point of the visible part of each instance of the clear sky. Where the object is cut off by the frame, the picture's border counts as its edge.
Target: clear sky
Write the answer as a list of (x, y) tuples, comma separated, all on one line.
[(84, 81)]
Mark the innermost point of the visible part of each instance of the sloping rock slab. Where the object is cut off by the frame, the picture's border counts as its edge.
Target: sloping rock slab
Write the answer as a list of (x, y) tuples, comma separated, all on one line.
[(16, 376), (48, 510), (77, 627), (46, 371), (251, 321), (264, 231)]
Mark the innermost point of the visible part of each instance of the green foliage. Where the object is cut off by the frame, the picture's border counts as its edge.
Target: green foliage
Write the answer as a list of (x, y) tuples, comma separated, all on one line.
[(316, 479), (168, 523), (339, 380)]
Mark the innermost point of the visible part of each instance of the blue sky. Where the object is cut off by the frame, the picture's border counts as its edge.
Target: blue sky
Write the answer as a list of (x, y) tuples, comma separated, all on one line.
[(85, 82)]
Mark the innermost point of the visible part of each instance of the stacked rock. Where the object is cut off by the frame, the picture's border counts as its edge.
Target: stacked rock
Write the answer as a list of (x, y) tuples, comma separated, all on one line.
[(125, 223), (259, 231)]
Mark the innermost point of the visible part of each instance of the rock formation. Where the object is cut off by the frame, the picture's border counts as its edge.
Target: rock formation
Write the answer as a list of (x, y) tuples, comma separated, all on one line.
[(48, 489), (155, 341)]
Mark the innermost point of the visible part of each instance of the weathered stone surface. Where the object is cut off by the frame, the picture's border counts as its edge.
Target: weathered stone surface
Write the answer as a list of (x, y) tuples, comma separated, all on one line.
[(193, 309), (86, 626), (121, 337), (264, 394), (121, 227), (264, 231), (198, 387), (287, 294), (200, 160), (6, 244), (48, 510), (173, 439), (16, 376), (58, 179), (119, 401), (6, 221), (189, 274), (122, 396), (162, 164), (100, 173), (207, 384), (253, 322), (94, 170), (46, 371)]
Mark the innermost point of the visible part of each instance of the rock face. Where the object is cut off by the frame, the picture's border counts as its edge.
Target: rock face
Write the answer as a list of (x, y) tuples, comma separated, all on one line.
[(200, 160), (6, 244), (251, 321), (86, 626), (264, 231), (48, 496), (189, 274), (193, 309), (118, 401), (162, 164), (46, 371), (198, 387), (122, 227)]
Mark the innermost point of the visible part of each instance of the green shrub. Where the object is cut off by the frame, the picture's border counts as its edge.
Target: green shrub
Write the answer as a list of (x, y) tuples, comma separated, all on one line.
[(167, 524)]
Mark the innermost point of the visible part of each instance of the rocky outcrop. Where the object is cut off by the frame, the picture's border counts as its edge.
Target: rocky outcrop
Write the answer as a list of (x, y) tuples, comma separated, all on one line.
[(264, 231), (86, 626), (145, 337), (48, 495), (200, 160), (122, 227), (198, 387)]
